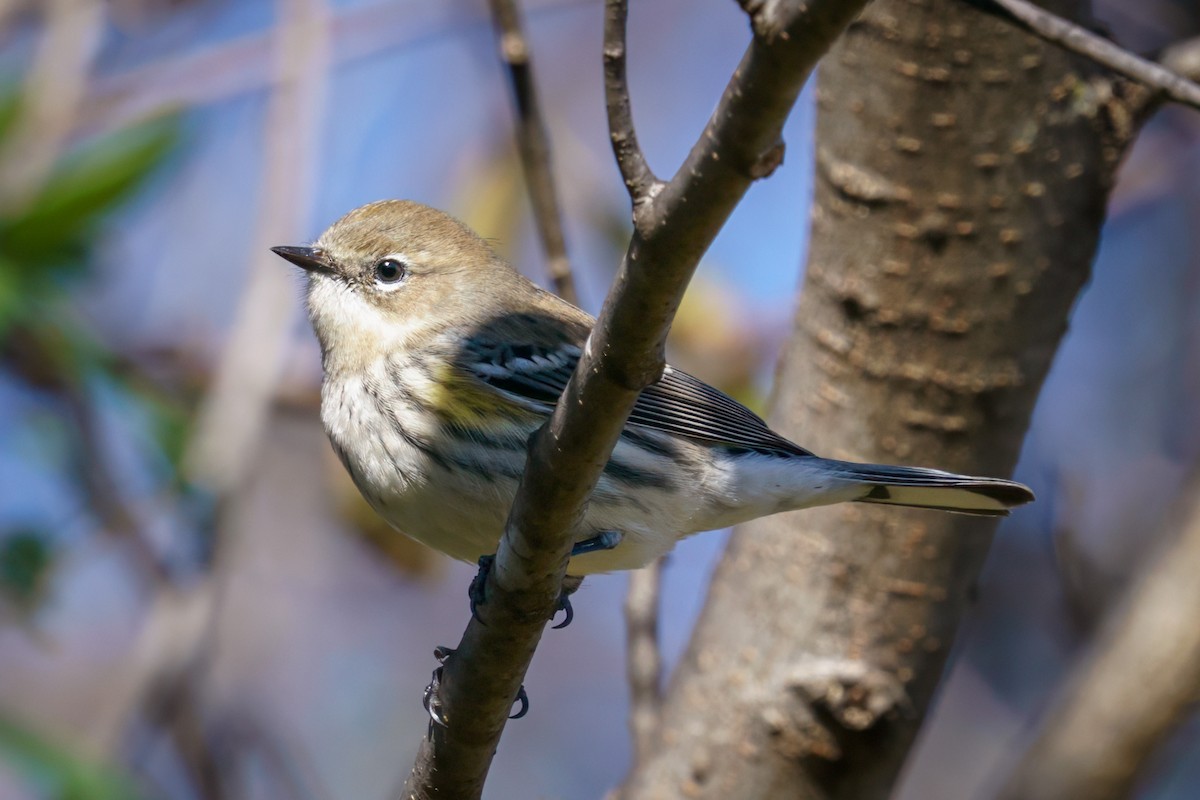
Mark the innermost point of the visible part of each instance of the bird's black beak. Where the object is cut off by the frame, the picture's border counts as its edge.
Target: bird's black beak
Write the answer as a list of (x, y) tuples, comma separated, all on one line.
[(313, 259)]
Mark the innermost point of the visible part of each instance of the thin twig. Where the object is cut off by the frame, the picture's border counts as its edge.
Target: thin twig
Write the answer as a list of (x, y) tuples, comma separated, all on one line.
[(643, 659), (1080, 40), (242, 65), (533, 142), (105, 496), (1133, 689), (624, 354), (639, 178)]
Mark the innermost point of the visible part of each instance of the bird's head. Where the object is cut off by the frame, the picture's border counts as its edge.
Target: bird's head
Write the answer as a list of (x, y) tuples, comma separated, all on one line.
[(392, 270)]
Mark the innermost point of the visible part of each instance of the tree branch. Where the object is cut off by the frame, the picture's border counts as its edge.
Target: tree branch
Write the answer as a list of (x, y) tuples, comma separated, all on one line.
[(643, 660), (1132, 690), (1080, 40), (533, 143), (631, 161), (623, 355)]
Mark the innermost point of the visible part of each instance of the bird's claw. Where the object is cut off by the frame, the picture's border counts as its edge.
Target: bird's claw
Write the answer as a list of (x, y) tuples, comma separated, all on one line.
[(523, 699), (430, 699), (477, 593), (433, 704), (570, 585), (564, 605)]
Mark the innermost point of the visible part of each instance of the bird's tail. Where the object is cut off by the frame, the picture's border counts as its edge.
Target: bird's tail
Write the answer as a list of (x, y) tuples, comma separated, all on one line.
[(931, 488)]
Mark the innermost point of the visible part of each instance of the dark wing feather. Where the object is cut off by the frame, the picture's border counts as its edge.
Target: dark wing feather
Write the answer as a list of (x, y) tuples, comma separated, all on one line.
[(678, 404), (682, 404)]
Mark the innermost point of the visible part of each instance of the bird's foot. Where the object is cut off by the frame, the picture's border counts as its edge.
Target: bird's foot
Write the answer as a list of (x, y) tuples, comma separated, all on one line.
[(430, 699), (433, 703), (477, 592)]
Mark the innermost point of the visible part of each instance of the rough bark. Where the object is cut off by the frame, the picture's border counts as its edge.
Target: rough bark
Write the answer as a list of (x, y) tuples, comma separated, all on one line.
[(962, 172)]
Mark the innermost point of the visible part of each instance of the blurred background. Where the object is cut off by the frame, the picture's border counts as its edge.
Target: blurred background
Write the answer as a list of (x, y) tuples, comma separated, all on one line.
[(194, 603)]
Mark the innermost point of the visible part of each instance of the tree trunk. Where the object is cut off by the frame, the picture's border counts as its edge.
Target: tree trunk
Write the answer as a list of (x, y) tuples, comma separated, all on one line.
[(962, 172)]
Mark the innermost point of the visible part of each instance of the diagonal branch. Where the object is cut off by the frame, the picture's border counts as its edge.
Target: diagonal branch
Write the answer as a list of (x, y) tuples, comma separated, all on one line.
[(533, 142), (1135, 687), (639, 178), (1080, 40), (624, 354)]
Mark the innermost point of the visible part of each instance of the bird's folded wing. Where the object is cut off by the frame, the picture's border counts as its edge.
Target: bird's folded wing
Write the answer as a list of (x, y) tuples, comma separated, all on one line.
[(677, 404)]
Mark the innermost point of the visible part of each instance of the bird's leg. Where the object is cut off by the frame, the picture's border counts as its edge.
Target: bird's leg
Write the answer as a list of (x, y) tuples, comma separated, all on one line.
[(477, 591), (433, 703), (604, 540)]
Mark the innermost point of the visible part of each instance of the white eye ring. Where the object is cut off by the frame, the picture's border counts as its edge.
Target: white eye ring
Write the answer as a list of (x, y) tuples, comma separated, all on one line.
[(389, 273)]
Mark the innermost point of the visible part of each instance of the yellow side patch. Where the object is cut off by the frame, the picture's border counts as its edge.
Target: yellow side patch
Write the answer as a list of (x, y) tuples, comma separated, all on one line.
[(460, 400)]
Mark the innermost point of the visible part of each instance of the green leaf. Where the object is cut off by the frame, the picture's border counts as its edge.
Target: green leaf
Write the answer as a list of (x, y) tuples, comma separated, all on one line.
[(55, 227), (55, 772), (11, 295), (10, 105), (25, 560)]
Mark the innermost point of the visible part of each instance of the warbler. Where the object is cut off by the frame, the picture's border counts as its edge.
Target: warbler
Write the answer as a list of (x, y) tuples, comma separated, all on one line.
[(440, 360)]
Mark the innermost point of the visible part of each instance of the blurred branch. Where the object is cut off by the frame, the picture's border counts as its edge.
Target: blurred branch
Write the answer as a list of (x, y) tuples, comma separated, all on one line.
[(104, 496), (1140, 680), (50, 97), (631, 161), (165, 664), (182, 716), (624, 354), (296, 775), (533, 142), (1078, 39), (29, 357), (232, 416), (643, 660), (243, 65), (1184, 58)]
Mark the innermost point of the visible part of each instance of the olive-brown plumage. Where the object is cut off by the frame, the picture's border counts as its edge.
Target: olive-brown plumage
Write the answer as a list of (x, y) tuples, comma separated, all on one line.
[(441, 359)]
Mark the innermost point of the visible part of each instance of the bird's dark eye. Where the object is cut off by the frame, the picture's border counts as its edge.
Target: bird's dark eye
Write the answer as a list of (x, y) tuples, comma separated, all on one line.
[(389, 270)]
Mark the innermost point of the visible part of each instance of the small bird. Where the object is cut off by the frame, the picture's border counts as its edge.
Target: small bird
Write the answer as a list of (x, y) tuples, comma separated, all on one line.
[(440, 360)]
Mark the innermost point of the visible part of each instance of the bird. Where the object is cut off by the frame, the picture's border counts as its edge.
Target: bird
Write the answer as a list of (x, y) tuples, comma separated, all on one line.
[(440, 360)]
